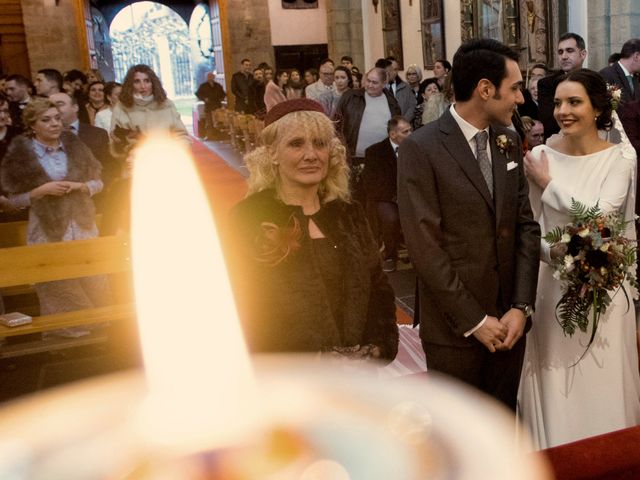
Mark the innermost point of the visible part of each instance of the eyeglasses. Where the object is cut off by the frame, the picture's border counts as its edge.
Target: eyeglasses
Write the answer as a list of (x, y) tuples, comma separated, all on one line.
[(326, 73)]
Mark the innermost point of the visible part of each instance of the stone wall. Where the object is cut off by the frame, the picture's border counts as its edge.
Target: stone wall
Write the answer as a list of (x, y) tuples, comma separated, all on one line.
[(344, 28), (52, 33), (611, 23), (249, 33)]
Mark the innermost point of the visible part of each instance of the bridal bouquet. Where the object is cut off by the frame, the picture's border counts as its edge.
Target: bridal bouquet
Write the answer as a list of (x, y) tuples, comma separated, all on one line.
[(596, 260)]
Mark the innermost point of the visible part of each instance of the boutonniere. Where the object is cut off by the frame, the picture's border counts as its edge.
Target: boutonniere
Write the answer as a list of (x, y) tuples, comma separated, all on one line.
[(504, 144)]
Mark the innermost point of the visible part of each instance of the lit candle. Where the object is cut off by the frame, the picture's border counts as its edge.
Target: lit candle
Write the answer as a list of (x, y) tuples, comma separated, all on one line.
[(197, 366)]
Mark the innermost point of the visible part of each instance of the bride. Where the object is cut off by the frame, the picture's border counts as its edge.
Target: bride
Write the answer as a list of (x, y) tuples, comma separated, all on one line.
[(560, 400)]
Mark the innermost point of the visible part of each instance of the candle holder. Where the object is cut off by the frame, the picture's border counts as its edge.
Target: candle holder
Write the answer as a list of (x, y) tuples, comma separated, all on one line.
[(311, 423)]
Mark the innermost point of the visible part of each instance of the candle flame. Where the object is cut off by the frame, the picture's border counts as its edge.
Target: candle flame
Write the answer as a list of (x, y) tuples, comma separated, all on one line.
[(196, 363)]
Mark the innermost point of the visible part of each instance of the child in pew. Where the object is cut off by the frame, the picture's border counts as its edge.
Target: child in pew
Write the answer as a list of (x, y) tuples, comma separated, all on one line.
[(55, 174)]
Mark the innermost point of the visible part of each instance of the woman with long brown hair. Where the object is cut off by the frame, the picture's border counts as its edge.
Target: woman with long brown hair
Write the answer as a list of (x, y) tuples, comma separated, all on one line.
[(144, 107)]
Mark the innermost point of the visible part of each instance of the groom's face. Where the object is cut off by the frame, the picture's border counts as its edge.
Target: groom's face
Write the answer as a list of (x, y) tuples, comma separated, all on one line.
[(507, 97)]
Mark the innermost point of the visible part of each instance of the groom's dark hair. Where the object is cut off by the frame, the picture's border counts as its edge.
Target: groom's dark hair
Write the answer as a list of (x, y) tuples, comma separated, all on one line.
[(478, 59)]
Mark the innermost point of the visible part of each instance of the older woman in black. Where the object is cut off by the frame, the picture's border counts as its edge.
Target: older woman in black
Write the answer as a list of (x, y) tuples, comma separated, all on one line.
[(308, 273)]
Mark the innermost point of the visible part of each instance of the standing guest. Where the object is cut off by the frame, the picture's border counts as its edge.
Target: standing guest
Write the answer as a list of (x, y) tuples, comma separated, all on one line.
[(330, 99), (468, 226), (307, 267), (534, 132), (274, 91), (347, 62), (212, 94), (414, 77), (571, 53), (17, 88), (111, 94), (78, 81), (565, 395), (97, 101), (380, 179), (623, 74), (399, 89), (325, 83), (362, 117), (436, 101), (240, 86), (268, 73), (310, 76), (441, 69), (55, 174), (256, 93), (48, 81), (8, 211), (144, 106), (94, 75), (295, 86), (356, 78)]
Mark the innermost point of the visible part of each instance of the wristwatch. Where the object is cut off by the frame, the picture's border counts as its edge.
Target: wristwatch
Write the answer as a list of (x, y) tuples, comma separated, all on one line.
[(526, 308)]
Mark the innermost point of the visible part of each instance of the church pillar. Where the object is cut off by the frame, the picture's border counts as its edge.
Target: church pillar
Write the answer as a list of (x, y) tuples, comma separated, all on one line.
[(56, 34), (344, 31)]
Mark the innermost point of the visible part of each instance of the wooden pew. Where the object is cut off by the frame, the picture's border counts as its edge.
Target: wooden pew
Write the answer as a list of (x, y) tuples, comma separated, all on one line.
[(24, 265)]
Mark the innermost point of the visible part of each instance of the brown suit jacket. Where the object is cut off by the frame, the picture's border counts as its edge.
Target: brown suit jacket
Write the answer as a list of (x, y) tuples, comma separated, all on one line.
[(474, 255)]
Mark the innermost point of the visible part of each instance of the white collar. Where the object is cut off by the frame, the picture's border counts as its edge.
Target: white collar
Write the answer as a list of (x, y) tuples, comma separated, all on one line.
[(468, 130)]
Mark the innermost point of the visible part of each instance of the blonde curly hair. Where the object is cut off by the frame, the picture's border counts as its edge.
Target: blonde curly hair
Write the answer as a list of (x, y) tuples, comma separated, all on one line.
[(262, 162)]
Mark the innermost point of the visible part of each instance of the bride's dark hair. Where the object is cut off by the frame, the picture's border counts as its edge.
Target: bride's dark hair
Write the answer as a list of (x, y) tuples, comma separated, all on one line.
[(597, 91)]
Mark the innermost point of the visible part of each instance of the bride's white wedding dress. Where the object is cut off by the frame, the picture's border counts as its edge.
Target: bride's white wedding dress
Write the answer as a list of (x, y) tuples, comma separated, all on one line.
[(558, 402)]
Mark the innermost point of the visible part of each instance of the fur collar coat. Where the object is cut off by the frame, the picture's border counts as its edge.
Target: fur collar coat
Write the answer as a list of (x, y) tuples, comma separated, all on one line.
[(21, 172)]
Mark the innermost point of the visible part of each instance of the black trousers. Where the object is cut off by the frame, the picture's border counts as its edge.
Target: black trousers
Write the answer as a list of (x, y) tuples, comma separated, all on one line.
[(389, 222), (497, 374)]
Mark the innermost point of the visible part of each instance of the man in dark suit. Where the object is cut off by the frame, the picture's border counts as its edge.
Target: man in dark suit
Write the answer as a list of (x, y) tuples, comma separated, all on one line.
[(380, 186), (17, 88), (622, 73), (241, 86), (467, 222), (571, 55), (97, 139)]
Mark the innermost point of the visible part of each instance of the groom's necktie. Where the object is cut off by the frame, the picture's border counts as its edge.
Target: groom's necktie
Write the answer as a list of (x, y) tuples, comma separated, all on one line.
[(483, 159), (630, 81)]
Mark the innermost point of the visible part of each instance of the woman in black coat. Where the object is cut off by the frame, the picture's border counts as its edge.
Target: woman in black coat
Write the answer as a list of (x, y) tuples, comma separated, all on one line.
[(308, 275)]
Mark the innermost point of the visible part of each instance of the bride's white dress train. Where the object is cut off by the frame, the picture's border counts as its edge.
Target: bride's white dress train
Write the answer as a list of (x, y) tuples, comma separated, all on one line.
[(558, 402)]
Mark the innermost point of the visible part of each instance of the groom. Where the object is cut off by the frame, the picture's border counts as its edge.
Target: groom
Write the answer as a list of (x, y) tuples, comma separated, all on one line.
[(465, 214)]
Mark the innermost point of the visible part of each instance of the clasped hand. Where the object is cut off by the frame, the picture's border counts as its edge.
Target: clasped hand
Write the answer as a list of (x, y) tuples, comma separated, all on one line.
[(58, 189), (502, 334), (537, 169)]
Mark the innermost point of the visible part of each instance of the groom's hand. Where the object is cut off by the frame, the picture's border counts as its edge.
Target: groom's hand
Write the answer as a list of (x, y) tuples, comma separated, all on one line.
[(491, 334), (515, 321)]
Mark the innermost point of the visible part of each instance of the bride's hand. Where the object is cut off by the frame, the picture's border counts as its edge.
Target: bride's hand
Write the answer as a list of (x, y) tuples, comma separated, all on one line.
[(537, 169), (558, 250)]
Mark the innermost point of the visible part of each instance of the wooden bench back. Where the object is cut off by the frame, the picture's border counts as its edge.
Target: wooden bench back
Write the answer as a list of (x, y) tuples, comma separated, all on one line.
[(63, 260)]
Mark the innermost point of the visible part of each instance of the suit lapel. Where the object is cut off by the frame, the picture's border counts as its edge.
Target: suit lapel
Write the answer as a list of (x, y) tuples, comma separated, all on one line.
[(499, 165), (459, 149), (624, 84)]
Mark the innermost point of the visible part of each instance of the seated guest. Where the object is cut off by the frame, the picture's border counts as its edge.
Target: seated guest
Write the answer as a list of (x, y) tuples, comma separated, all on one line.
[(438, 101), (380, 185), (111, 94), (97, 101), (307, 267), (53, 172)]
